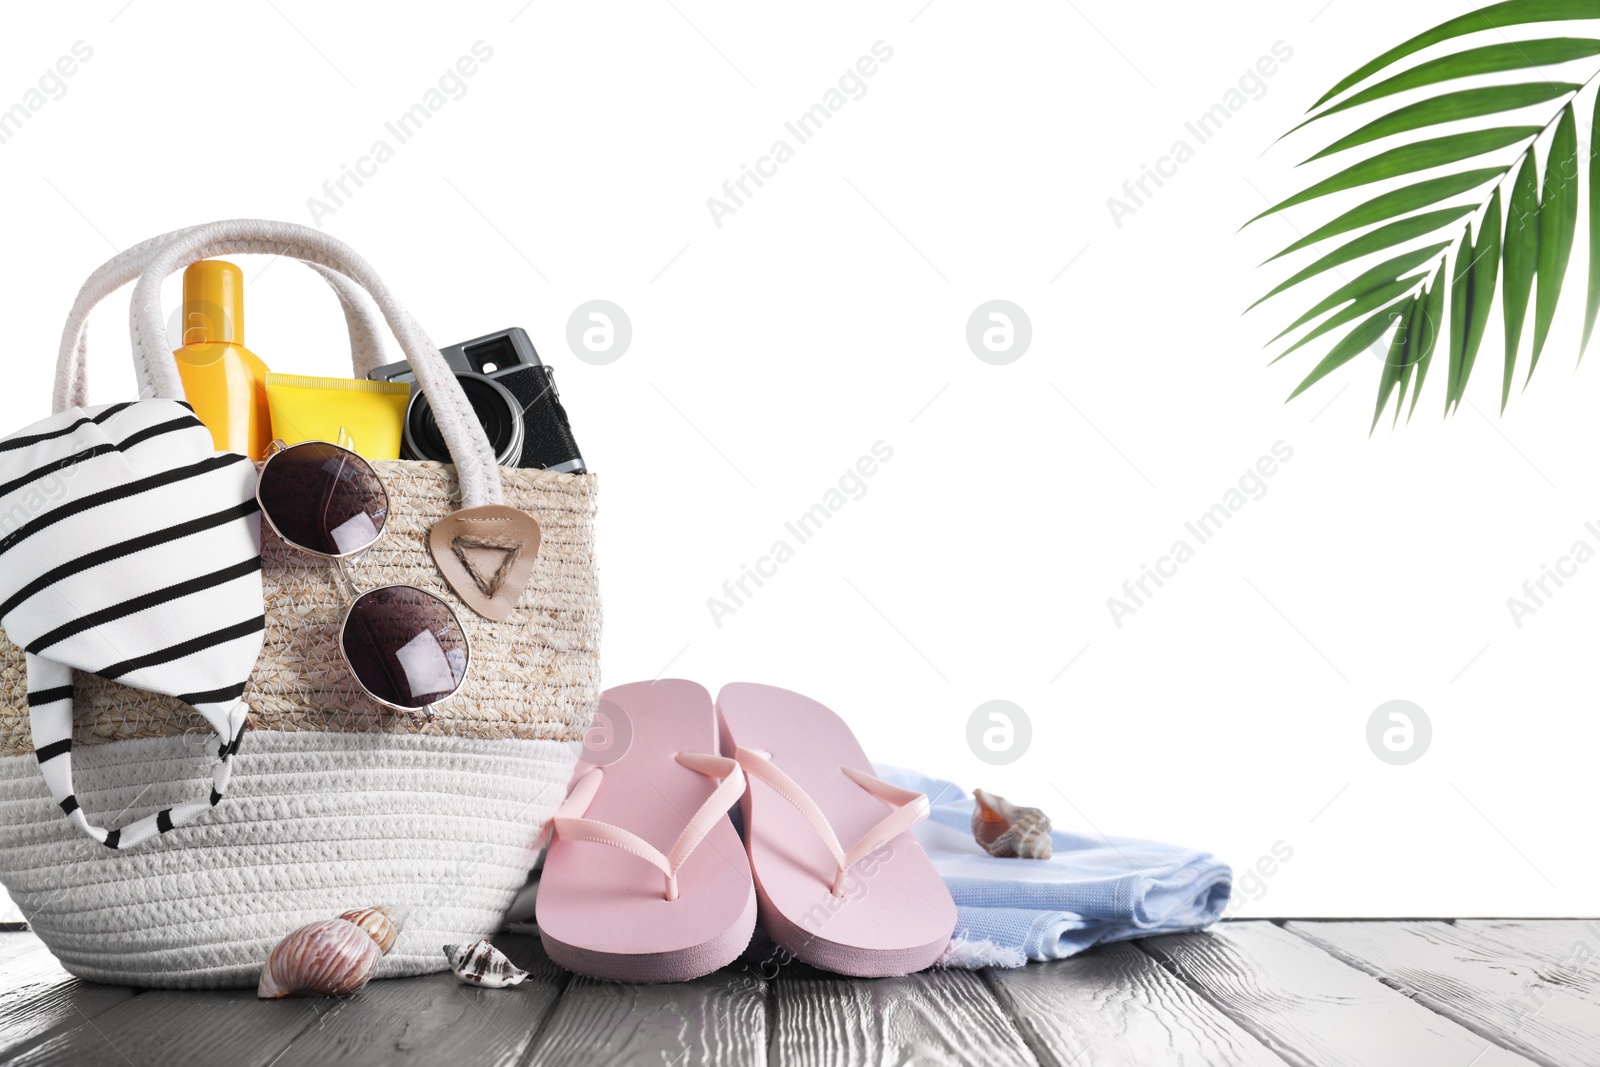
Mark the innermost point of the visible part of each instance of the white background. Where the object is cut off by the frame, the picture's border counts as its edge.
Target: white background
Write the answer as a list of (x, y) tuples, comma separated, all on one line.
[(829, 312)]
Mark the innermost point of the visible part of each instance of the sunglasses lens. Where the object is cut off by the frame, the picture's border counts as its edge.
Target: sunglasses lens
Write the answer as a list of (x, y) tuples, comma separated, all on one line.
[(405, 646), (323, 498)]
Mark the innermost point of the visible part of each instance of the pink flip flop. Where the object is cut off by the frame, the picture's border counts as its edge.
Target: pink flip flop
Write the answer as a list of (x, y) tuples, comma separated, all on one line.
[(841, 882), (646, 879)]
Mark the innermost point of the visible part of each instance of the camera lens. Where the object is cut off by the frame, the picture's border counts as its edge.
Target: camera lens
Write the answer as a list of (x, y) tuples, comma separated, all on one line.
[(497, 410)]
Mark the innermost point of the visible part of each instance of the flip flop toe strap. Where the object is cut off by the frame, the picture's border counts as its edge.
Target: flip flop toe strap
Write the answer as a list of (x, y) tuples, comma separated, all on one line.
[(569, 824), (909, 808)]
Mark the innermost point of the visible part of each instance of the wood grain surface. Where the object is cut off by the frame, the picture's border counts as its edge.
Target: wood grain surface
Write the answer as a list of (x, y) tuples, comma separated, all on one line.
[(1486, 986), (1478, 993)]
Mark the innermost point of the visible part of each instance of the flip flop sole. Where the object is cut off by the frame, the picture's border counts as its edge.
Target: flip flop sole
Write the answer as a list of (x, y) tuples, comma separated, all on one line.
[(603, 912), (811, 947), (893, 914), (648, 967)]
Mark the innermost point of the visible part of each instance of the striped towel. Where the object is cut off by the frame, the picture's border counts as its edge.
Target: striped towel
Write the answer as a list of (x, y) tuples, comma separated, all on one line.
[(130, 549)]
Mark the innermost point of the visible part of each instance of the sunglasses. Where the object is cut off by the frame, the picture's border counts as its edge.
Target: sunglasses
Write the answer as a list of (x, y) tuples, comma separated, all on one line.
[(404, 645)]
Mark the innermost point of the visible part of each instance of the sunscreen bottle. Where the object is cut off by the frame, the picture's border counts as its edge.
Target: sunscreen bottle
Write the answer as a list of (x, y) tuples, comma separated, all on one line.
[(223, 380)]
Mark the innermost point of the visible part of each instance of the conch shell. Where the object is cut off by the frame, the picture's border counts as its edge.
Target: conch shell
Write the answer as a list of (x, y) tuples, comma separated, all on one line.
[(334, 957), (483, 964), (1004, 829)]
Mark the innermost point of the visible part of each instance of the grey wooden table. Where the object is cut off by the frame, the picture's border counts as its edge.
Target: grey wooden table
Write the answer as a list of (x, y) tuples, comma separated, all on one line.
[(1480, 993)]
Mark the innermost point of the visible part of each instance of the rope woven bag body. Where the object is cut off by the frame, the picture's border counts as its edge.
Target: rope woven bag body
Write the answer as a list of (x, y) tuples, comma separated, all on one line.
[(333, 801)]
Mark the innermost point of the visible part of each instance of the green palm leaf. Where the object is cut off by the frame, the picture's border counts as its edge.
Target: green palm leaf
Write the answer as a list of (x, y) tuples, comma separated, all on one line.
[(1452, 107), (1395, 361), (1485, 273), (1558, 218), (1594, 234), (1355, 342), (1481, 277), (1377, 240), (1520, 232), (1432, 327), (1414, 332), (1495, 16), (1407, 159), (1460, 315), (1364, 282), (1356, 308), (1521, 254), (1407, 198), (1491, 59)]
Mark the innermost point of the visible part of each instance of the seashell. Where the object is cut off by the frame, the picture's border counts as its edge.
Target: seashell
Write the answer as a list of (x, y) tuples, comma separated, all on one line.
[(334, 957), (483, 964), (1004, 829), (382, 922)]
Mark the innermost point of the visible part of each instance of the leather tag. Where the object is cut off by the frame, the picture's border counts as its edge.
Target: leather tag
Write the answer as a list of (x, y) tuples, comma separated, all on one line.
[(486, 554)]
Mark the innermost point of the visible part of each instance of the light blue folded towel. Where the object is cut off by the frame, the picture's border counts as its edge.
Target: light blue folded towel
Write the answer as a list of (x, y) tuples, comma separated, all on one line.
[(1092, 889)]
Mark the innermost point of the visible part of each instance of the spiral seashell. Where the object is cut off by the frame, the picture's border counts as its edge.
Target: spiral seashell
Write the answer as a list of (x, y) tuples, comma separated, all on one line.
[(381, 922), (334, 957), (483, 964), (1005, 829), (988, 821)]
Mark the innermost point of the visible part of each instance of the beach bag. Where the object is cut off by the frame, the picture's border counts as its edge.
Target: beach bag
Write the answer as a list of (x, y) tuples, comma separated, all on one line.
[(318, 800)]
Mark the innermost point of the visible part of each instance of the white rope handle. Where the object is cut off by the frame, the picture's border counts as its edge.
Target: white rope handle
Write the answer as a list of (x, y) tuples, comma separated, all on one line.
[(476, 469), (72, 383)]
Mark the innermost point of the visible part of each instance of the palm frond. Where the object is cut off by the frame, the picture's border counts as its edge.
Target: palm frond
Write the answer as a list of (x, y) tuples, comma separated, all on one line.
[(1467, 104), (1521, 251), (1594, 234), (1448, 223), (1398, 202), (1385, 236), (1490, 59), (1558, 219), (1410, 158), (1494, 17), (1364, 283)]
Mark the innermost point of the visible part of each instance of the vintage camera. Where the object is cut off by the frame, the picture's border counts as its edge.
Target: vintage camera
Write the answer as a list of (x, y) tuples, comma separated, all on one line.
[(514, 396)]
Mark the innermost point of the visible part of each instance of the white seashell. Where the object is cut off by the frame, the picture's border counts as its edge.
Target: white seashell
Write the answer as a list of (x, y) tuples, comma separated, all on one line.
[(382, 922), (483, 964), (1005, 829), (334, 957)]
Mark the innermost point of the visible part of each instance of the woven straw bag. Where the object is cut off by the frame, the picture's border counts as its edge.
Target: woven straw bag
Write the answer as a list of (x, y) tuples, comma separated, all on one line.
[(334, 802)]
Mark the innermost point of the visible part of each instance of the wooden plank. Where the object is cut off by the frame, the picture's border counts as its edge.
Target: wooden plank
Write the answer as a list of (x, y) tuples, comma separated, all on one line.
[(1569, 943), (179, 1028), (38, 995), (436, 1019), (1488, 987), (1312, 1009), (16, 942), (929, 1019), (1115, 1006), (719, 1020), (388, 1022)]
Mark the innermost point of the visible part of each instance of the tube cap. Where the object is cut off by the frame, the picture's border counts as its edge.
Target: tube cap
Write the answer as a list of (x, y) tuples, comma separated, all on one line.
[(213, 303)]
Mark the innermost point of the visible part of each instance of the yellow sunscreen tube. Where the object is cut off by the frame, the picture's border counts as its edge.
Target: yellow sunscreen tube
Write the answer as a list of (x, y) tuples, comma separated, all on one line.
[(361, 415)]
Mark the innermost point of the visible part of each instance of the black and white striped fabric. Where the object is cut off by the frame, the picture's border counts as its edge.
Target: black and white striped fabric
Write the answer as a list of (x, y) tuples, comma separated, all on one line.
[(130, 549)]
